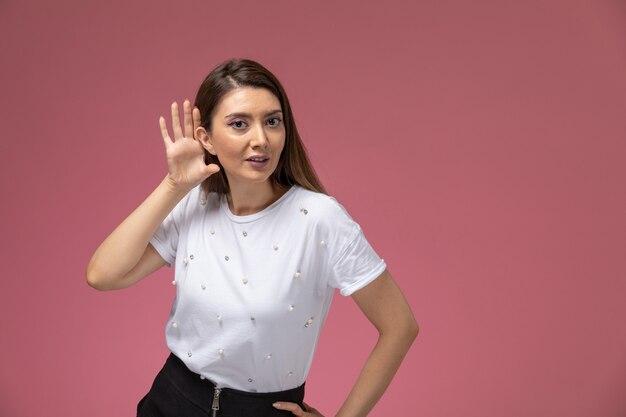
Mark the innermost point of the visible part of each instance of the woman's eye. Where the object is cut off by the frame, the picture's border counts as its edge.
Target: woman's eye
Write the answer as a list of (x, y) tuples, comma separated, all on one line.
[(276, 121), (237, 124)]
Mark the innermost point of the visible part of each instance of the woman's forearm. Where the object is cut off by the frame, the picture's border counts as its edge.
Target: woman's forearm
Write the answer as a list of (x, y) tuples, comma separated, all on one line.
[(123, 248), (378, 372)]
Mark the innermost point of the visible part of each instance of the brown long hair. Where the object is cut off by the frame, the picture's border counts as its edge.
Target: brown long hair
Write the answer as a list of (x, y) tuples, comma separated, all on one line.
[(293, 166)]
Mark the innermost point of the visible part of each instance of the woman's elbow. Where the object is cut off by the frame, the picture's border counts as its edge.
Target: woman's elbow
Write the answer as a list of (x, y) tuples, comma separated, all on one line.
[(413, 329), (92, 279), (409, 330), (96, 280)]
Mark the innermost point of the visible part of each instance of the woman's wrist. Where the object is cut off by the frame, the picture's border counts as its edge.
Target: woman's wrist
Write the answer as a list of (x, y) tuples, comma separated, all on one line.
[(175, 189)]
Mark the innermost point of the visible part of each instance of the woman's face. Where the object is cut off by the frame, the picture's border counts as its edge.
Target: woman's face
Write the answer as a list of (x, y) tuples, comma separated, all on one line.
[(247, 134)]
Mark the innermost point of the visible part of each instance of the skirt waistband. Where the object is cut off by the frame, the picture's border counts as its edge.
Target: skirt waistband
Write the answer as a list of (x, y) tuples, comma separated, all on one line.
[(206, 395)]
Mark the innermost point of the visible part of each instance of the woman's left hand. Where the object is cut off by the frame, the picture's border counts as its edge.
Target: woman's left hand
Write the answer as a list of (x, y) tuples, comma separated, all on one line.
[(297, 410)]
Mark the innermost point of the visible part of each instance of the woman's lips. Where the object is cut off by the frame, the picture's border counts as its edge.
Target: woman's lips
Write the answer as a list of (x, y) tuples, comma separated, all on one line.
[(258, 163)]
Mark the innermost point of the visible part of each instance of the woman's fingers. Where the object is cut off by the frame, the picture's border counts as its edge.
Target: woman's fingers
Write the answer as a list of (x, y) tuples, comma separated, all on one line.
[(178, 133), (164, 132), (190, 122), (187, 119), (296, 410), (197, 122), (212, 169)]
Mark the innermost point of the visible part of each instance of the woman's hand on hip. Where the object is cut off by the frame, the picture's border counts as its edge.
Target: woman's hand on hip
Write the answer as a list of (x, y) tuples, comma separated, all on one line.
[(297, 410), (185, 154)]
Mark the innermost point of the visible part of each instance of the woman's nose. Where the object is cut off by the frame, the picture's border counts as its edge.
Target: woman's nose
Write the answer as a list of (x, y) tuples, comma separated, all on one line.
[(259, 138)]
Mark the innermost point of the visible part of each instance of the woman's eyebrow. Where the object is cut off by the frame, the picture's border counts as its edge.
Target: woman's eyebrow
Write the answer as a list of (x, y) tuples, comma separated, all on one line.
[(249, 116)]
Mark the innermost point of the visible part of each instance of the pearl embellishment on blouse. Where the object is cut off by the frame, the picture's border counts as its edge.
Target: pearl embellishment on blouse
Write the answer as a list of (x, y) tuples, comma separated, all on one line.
[(302, 306)]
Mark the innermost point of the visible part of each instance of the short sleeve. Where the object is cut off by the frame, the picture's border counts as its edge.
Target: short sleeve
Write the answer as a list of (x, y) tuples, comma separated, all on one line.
[(165, 239), (355, 264)]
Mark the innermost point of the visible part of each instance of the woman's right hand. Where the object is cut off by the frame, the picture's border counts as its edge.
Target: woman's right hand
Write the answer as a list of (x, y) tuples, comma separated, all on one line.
[(126, 256), (185, 155)]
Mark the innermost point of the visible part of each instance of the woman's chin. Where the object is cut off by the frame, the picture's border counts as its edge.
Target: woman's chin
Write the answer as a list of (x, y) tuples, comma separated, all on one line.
[(247, 180)]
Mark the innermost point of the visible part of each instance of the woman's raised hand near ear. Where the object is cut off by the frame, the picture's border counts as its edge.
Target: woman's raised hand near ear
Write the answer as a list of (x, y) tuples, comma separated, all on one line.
[(126, 255), (185, 154)]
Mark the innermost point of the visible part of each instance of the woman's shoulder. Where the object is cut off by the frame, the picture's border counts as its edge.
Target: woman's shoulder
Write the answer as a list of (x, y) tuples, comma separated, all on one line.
[(313, 198), (319, 205), (331, 221)]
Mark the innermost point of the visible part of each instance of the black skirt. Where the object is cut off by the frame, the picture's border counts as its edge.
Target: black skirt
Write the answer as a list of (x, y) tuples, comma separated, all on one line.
[(179, 392)]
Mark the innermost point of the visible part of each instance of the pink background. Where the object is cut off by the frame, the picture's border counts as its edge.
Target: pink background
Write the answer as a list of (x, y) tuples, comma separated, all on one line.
[(480, 145)]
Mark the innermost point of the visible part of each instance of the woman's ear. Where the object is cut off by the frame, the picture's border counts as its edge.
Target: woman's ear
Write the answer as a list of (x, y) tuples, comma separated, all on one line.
[(203, 136)]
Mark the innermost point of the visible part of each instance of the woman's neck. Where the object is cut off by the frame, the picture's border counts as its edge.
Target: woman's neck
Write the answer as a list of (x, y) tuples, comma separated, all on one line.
[(252, 198)]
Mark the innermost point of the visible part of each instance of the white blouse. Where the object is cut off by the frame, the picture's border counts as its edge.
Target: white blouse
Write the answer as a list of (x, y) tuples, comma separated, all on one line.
[(252, 292)]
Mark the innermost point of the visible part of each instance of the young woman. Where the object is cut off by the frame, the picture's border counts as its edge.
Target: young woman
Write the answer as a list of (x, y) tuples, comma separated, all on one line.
[(258, 250)]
